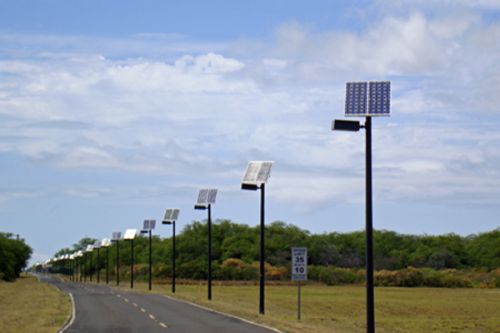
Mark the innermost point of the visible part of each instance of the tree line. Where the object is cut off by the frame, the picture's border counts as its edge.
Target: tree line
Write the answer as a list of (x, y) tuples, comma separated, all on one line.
[(14, 256), (235, 250)]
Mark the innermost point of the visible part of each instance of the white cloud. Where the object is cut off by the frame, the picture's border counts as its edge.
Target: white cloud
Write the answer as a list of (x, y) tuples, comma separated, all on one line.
[(204, 114)]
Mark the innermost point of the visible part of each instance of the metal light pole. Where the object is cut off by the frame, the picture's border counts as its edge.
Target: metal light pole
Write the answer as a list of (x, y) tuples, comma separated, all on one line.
[(206, 198), (132, 263), (366, 99), (116, 239), (209, 253), (171, 216), (130, 235), (117, 262), (106, 243), (84, 268), (262, 249), (255, 177), (107, 264), (91, 253), (148, 226), (97, 264), (150, 260)]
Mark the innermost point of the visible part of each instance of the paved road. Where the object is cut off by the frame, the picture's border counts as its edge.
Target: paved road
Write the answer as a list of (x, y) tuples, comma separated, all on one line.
[(101, 309)]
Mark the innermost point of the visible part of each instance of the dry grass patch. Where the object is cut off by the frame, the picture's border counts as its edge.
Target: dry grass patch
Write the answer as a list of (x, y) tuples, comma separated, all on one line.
[(342, 309), (27, 305)]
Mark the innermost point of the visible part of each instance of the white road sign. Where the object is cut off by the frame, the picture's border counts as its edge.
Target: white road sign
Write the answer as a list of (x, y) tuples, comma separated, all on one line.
[(299, 263)]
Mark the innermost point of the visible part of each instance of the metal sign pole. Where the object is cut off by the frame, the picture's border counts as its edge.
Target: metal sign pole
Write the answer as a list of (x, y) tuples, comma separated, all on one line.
[(298, 301)]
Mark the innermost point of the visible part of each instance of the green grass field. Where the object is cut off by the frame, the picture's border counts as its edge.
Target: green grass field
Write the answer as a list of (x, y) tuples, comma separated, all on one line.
[(31, 306), (342, 309)]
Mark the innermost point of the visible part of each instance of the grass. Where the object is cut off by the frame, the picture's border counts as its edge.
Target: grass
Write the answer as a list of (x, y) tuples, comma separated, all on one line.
[(342, 309), (27, 305)]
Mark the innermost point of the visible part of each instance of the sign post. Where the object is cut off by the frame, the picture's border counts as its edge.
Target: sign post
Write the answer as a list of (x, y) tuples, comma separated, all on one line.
[(299, 271)]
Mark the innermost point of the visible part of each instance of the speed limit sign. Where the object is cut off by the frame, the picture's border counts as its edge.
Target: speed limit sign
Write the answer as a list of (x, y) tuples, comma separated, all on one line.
[(299, 263)]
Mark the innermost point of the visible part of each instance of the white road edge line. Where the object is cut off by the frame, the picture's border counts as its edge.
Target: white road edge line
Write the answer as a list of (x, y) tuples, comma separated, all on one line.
[(71, 319), (224, 314)]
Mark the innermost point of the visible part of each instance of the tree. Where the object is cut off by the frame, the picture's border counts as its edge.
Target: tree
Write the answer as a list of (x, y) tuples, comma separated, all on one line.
[(14, 254)]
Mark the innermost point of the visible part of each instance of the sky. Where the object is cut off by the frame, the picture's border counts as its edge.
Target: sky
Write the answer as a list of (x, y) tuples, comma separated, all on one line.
[(112, 111)]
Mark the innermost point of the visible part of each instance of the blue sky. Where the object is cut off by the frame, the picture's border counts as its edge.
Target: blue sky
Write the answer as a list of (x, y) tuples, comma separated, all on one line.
[(113, 111)]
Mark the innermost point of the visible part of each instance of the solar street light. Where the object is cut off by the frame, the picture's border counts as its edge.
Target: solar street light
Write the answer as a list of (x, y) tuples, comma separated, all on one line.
[(255, 177), (171, 215), (130, 235), (206, 197), (115, 238), (148, 226), (366, 99)]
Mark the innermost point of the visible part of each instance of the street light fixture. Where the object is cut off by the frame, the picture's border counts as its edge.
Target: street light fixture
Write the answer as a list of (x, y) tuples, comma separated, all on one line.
[(366, 99), (255, 177), (206, 198), (148, 226), (130, 235), (115, 238), (171, 216)]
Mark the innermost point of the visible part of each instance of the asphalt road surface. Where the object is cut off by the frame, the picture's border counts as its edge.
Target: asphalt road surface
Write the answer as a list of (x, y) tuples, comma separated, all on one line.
[(99, 308)]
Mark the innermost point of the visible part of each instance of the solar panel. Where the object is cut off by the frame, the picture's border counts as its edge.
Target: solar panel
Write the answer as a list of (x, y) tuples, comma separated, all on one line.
[(116, 235), (212, 194), (171, 215), (149, 224), (257, 172), (202, 197), (175, 214), (105, 242), (130, 234), (368, 98), (206, 196)]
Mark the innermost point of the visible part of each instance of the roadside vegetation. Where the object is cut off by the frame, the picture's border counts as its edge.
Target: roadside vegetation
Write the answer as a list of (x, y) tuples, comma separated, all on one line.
[(334, 258), (14, 255), (341, 309), (28, 305)]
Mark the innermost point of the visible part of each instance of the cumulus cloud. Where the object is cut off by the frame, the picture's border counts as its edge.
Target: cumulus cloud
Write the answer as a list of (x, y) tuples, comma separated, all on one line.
[(202, 114)]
